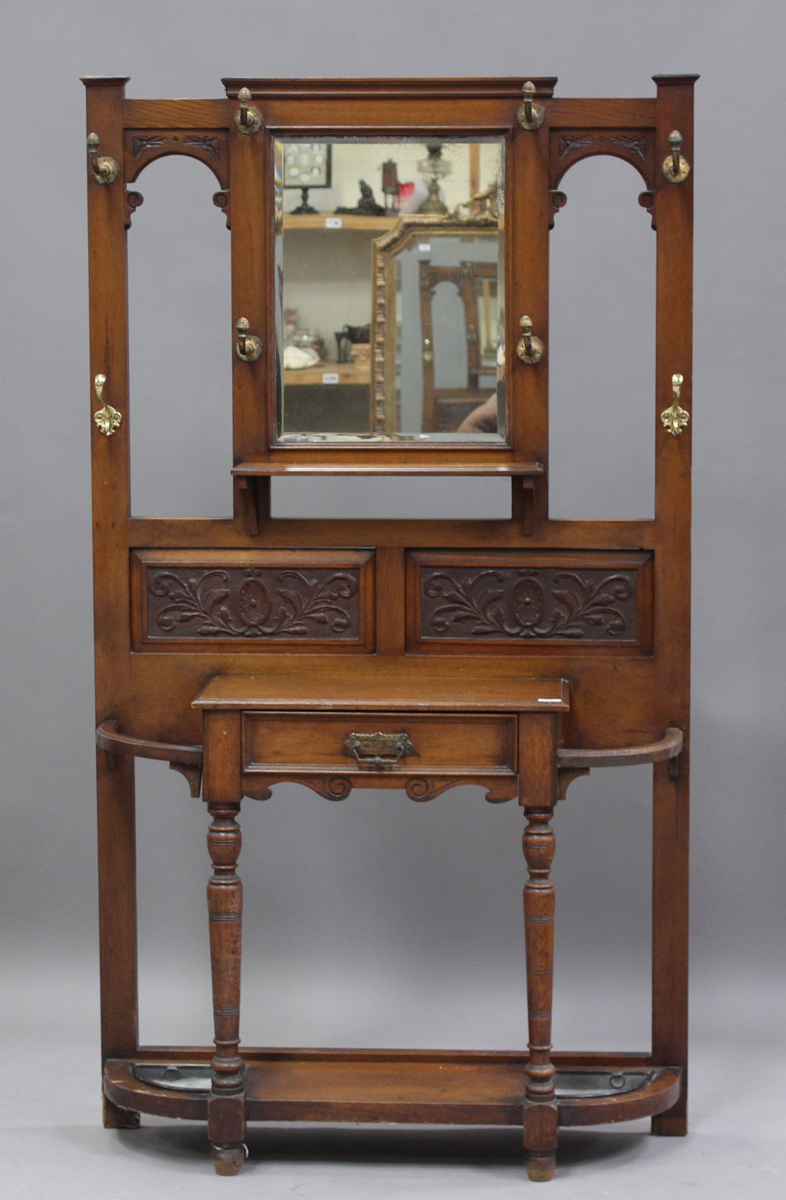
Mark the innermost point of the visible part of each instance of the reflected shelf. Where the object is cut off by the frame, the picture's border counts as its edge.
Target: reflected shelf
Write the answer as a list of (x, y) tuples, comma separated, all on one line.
[(329, 373), (330, 222)]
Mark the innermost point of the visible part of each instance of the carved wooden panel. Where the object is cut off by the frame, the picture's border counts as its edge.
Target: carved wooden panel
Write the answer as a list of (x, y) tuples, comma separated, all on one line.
[(529, 601), (252, 600)]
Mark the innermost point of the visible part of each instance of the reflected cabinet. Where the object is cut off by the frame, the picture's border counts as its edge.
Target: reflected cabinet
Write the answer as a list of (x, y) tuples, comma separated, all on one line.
[(389, 248)]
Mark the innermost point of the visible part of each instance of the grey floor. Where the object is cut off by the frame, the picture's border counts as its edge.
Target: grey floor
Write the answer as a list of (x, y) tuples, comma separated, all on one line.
[(53, 1147)]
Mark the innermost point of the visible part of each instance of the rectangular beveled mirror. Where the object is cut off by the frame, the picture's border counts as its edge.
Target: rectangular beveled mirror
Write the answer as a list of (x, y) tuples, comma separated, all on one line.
[(389, 291)]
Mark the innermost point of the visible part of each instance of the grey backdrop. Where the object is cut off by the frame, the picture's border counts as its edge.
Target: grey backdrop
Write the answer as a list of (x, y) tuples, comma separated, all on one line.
[(378, 921)]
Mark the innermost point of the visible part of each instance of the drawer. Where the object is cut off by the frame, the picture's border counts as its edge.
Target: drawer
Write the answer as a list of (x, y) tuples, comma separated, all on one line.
[(442, 743)]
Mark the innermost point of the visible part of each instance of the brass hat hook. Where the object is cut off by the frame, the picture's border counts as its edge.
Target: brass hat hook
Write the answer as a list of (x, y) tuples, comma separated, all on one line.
[(105, 169), (248, 345), (530, 115), (675, 167), (247, 118), (530, 349)]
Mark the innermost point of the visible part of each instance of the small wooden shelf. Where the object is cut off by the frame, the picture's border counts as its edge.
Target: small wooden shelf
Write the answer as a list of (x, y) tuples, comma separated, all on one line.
[(366, 468), (348, 221), (445, 1088)]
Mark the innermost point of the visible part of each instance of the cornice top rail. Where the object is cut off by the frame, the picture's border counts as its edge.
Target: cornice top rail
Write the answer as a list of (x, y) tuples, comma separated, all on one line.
[(505, 87)]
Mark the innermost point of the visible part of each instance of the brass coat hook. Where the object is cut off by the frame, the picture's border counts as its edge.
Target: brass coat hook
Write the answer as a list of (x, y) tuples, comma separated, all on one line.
[(675, 167), (530, 115), (530, 349), (674, 419), (106, 418), (105, 169), (247, 118), (248, 347)]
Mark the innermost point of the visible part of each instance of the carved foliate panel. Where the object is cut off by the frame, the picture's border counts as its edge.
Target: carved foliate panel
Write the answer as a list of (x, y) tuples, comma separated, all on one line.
[(530, 600), (252, 600)]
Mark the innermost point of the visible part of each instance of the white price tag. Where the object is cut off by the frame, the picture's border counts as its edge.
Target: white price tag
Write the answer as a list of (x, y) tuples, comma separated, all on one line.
[(332, 222), (424, 247), (330, 377)]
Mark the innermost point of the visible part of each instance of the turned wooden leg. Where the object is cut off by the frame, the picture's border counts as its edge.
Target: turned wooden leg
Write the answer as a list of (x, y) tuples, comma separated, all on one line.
[(226, 1107), (540, 1107)]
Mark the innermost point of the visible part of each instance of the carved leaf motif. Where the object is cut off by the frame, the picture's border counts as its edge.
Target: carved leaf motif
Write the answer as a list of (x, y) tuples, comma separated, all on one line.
[(148, 141), (569, 142), (470, 600), (254, 602), (533, 603), (636, 145), (201, 142)]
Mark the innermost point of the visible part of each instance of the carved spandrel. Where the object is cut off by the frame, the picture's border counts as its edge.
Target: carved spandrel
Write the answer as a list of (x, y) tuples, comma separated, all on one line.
[(578, 604), (210, 146), (636, 146), (253, 603)]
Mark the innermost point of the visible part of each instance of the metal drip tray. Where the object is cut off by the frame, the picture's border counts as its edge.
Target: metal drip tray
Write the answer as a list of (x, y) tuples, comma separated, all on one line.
[(577, 1085), (185, 1077)]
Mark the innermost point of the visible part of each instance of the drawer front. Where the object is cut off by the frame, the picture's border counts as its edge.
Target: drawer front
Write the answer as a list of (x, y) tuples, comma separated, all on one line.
[(439, 743)]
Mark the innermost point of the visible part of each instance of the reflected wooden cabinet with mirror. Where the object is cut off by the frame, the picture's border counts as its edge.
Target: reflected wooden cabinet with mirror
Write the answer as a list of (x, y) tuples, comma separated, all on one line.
[(389, 246)]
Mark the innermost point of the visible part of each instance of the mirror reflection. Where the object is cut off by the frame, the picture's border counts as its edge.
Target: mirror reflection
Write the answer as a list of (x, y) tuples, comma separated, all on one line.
[(390, 291)]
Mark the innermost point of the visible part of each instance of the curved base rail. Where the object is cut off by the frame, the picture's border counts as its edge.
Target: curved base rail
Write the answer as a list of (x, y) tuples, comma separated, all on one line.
[(466, 1088), (183, 758)]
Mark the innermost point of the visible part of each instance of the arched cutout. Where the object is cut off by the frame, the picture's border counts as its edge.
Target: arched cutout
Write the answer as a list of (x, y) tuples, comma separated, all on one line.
[(602, 348), (180, 347)]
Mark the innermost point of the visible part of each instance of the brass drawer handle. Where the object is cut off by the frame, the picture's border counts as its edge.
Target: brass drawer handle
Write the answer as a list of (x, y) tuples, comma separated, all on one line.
[(379, 749)]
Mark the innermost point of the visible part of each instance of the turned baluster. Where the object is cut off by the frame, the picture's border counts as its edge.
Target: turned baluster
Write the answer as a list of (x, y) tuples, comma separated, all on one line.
[(538, 795), (540, 1118), (226, 1107)]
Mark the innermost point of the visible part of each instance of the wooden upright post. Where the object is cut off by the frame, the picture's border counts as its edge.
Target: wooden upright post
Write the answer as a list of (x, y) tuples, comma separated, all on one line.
[(674, 356), (115, 777)]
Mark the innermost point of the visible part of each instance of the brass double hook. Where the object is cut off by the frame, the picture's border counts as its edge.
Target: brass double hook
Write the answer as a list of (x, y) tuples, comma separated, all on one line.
[(107, 419), (674, 418)]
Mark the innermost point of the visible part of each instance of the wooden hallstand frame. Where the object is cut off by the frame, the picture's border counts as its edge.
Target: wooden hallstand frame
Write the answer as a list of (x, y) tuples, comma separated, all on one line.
[(423, 700)]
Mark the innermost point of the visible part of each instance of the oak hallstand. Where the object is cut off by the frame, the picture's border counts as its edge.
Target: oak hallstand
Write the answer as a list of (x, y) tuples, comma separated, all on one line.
[(514, 654)]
